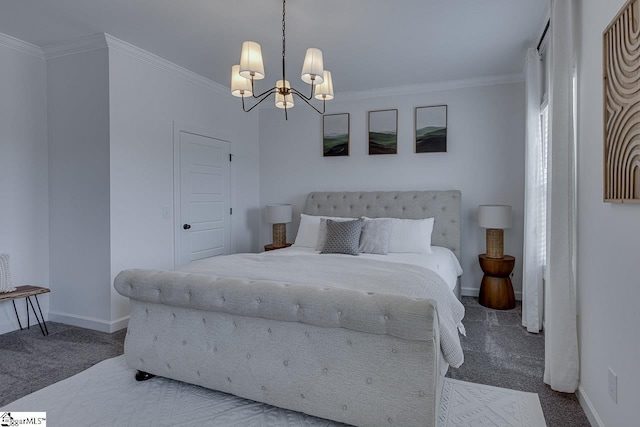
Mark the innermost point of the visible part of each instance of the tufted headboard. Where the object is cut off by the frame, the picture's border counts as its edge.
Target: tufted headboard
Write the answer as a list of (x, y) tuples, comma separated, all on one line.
[(443, 206)]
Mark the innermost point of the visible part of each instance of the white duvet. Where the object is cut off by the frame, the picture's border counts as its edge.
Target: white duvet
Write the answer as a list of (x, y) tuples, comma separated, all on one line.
[(442, 261), (349, 272)]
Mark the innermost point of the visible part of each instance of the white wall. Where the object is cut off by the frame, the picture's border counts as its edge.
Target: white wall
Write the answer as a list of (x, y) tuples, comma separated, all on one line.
[(24, 210), (484, 160), (112, 111), (144, 102), (78, 106), (608, 235)]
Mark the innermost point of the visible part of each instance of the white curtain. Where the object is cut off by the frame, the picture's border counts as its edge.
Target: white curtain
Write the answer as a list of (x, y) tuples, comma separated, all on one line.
[(534, 194), (561, 341)]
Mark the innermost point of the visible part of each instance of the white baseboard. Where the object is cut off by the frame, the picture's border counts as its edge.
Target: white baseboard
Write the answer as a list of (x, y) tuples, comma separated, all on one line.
[(8, 327), (89, 322), (588, 408), (469, 292), (473, 292)]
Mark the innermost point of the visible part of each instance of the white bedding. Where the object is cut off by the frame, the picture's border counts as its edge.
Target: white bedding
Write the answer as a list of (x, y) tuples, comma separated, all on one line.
[(349, 272), (443, 261)]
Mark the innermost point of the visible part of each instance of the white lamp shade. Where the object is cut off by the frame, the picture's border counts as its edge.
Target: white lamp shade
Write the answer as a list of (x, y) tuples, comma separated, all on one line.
[(239, 85), (283, 101), (312, 67), (251, 61), (494, 216), (324, 91), (279, 213)]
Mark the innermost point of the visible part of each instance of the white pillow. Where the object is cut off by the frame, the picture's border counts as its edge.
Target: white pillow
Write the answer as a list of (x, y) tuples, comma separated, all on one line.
[(309, 230), (411, 235)]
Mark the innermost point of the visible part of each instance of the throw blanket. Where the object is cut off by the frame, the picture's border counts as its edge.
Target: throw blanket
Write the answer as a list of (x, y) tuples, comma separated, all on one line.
[(352, 273)]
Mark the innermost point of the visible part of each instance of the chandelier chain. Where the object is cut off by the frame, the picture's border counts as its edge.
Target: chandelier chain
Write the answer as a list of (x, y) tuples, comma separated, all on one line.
[(284, 2)]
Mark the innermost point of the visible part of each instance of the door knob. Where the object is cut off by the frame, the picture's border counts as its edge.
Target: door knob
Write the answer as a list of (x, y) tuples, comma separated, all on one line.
[(186, 226)]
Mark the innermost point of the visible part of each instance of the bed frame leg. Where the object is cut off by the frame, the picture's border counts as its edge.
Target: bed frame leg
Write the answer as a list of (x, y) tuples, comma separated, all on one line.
[(143, 376)]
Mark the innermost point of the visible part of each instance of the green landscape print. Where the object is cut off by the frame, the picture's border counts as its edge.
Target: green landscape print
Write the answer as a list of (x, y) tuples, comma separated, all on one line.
[(431, 129), (335, 138), (383, 132)]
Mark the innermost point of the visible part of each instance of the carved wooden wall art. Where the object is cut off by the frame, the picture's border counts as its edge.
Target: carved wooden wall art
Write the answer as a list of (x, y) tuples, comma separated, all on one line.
[(621, 75)]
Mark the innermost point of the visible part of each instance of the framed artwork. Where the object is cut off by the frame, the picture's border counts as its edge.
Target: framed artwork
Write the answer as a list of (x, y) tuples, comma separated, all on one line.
[(383, 132), (335, 135), (620, 106), (431, 129)]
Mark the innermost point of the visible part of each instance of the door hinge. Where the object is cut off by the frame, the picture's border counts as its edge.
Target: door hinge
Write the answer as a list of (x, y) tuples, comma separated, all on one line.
[(230, 157), (230, 211)]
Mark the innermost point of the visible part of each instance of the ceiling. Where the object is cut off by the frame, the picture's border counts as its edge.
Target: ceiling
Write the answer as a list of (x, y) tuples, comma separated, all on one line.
[(367, 44)]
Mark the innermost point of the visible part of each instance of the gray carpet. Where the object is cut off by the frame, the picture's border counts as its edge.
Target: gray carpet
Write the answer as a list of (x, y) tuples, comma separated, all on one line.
[(30, 361), (498, 352)]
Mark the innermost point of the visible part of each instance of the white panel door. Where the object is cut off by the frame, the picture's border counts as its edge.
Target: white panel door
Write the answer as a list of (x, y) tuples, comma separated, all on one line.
[(205, 223)]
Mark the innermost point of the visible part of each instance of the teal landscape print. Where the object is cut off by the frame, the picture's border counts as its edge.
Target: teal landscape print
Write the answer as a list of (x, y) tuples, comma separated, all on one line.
[(383, 132), (431, 129), (335, 135)]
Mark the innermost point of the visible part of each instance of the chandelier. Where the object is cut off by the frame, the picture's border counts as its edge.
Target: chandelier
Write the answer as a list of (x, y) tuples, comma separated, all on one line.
[(251, 68)]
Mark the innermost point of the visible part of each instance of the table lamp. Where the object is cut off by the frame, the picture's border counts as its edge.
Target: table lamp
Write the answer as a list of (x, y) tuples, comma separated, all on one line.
[(279, 214), (495, 218)]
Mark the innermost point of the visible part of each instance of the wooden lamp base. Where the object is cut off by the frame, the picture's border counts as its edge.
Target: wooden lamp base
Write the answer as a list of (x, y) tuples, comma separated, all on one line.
[(279, 236), (495, 243)]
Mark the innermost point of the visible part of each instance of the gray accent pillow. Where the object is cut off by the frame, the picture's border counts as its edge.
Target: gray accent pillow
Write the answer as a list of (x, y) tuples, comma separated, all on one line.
[(375, 236), (343, 237), (322, 231)]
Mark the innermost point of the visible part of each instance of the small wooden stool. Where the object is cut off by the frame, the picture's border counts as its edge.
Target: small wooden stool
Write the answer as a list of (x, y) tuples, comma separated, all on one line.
[(26, 292)]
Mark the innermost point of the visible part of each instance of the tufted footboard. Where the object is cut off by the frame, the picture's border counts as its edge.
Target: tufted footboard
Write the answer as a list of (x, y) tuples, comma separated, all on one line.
[(311, 350)]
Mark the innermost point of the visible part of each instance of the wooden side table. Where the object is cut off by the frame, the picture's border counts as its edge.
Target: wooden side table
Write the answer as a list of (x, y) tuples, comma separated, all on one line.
[(26, 292), (496, 290), (270, 247)]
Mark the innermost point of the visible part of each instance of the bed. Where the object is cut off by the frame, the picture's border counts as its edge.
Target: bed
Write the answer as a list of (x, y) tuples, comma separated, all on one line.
[(281, 328)]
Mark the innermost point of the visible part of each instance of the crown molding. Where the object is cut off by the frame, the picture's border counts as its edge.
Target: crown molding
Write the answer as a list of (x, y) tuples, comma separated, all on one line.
[(425, 88), (430, 87), (107, 41), (75, 46), (20, 45), (104, 40), (163, 64)]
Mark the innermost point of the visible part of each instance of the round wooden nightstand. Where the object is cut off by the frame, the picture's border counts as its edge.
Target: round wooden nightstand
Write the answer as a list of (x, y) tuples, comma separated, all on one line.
[(270, 247), (496, 290)]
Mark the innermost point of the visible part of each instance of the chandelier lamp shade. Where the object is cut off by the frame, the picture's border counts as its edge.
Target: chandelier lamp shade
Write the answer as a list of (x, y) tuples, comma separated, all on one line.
[(239, 85), (251, 65), (284, 98), (251, 68), (324, 91)]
